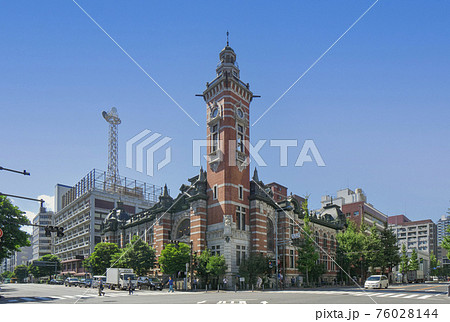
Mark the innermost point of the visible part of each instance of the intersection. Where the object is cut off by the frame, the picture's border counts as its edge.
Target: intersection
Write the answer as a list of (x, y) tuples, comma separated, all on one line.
[(57, 294)]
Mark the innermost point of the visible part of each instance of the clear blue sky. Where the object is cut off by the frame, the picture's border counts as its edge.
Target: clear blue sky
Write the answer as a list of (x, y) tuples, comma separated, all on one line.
[(376, 106)]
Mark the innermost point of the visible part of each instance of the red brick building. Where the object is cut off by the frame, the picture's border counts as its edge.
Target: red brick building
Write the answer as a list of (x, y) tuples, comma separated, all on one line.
[(222, 209)]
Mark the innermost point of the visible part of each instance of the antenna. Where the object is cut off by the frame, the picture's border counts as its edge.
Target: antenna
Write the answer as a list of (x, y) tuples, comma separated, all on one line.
[(112, 176)]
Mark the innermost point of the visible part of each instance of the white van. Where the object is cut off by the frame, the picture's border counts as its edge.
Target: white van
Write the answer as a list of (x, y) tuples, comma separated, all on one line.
[(377, 281)]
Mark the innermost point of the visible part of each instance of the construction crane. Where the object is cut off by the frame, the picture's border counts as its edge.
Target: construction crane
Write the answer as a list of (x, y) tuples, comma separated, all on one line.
[(112, 176)]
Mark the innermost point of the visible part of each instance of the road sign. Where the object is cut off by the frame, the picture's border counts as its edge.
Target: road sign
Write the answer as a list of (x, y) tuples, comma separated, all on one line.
[(1, 233)]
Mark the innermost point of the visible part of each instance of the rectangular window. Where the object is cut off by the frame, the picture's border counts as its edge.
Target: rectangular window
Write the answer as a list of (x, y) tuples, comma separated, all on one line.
[(240, 138), (241, 192), (215, 192), (291, 259), (238, 255), (240, 218), (215, 138)]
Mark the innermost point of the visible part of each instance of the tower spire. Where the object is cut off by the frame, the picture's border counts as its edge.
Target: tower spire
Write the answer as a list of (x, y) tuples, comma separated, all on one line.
[(228, 43)]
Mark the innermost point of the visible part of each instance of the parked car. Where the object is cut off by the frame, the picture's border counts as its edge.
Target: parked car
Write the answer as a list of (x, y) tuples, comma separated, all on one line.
[(85, 283), (152, 283), (156, 283), (71, 281), (96, 280), (377, 281)]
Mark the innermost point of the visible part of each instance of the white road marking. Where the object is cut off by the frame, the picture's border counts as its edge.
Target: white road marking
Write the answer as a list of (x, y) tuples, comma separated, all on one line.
[(410, 296), (425, 296), (399, 295)]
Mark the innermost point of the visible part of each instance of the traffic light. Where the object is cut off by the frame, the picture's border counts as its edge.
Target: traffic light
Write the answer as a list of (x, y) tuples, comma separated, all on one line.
[(270, 264), (48, 231), (59, 231), (53, 229)]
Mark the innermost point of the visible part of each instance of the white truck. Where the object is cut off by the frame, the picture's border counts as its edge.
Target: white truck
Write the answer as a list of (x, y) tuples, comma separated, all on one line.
[(415, 276), (120, 277)]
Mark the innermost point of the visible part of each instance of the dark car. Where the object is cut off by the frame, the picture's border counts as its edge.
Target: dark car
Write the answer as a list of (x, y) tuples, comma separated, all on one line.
[(156, 283), (71, 281), (85, 283), (56, 282), (151, 283)]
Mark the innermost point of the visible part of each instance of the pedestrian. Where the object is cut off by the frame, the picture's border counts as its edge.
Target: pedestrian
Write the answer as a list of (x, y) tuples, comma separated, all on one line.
[(170, 282), (130, 286), (259, 282), (225, 281), (100, 288)]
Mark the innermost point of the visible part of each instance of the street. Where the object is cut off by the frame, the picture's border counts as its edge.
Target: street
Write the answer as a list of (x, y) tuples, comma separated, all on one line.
[(59, 294)]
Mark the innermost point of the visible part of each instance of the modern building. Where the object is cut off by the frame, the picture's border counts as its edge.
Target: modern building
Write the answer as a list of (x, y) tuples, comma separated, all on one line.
[(442, 225), (419, 234), (41, 244), (356, 208), (222, 208), (81, 209)]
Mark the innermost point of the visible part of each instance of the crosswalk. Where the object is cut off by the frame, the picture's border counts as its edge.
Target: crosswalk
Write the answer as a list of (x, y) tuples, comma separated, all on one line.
[(418, 296)]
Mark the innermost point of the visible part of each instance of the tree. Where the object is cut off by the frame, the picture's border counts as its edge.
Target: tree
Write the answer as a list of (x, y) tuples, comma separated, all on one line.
[(256, 265), (308, 256), (446, 241), (350, 248), (413, 262), (373, 249), (434, 263), (100, 260), (21, 272), (136, 255), (216, 266), (390, 249), (174, 257), (404, 262), (11, 219), (200, 265), (48, 269)]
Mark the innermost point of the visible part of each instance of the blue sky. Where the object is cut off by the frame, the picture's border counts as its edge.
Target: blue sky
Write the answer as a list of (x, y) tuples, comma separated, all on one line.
[(376, 105)]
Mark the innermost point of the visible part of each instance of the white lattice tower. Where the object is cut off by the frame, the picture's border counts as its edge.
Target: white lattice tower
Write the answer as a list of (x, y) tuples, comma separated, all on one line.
[(112, 176)]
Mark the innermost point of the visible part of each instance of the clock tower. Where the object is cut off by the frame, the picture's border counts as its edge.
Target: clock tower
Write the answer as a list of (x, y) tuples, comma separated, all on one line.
[(228, 180)]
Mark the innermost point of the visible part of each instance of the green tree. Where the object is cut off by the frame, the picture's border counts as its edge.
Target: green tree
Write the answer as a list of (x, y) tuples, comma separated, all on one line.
[(256, 265), (434, 263), (11, 219), (173, 258), (308, 256), (350, 249), (136, 255), (216, 266), (49, 269), (200, 265), (100, 260), (373, 249), (446, 241), (413, 262), (404, 262), (390, 249), (21, 272)]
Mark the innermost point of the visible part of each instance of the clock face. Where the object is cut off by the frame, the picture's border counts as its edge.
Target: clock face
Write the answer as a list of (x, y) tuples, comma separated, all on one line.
[(240, 113), (214, 113)]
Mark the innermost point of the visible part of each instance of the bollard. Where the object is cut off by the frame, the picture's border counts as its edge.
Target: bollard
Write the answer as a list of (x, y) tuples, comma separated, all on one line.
[(217, 287), (448, 290)]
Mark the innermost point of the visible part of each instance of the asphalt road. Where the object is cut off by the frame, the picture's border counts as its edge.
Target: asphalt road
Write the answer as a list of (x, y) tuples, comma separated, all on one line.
[(59, 294)]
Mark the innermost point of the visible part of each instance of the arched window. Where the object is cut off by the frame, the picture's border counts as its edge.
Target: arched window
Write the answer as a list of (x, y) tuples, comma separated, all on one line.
[(270, 236), (332, 242), (325, 240), (184, 229), (316, 234)]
